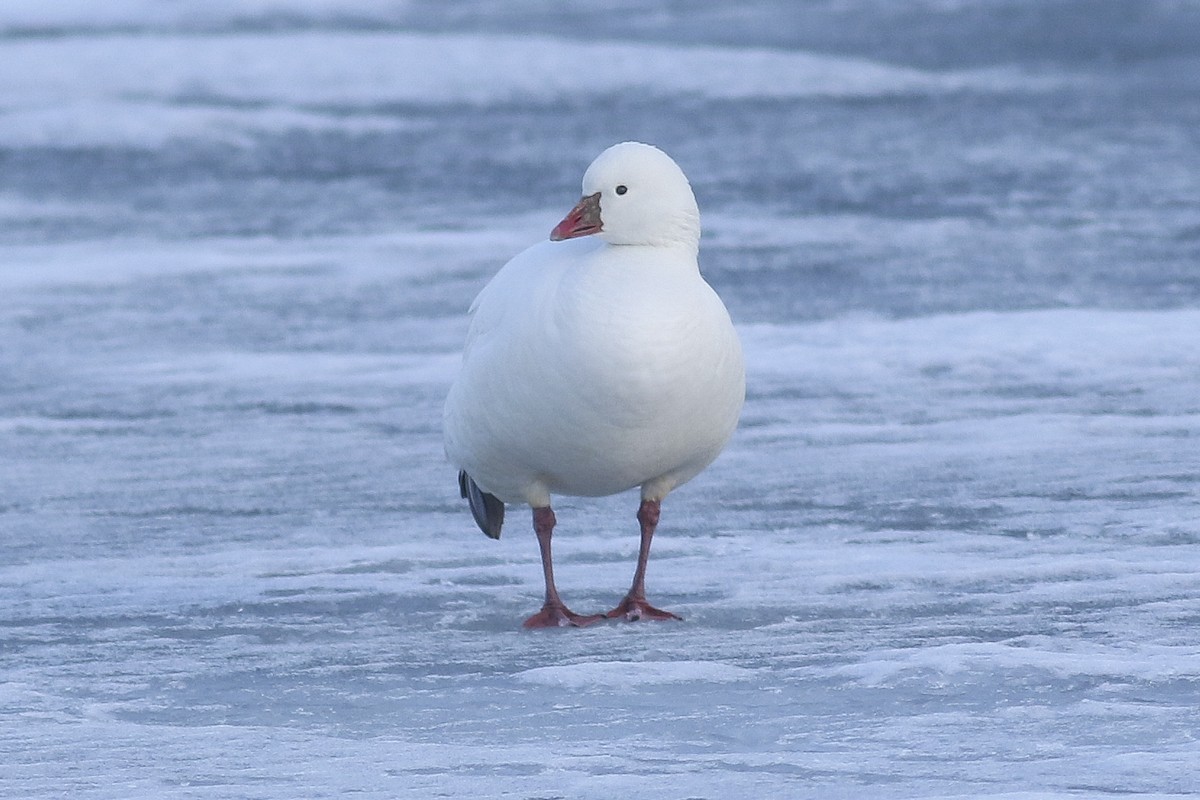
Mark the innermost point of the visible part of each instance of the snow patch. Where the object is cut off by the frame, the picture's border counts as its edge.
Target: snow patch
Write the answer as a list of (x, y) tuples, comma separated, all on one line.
[(618, 674), (145, 91)]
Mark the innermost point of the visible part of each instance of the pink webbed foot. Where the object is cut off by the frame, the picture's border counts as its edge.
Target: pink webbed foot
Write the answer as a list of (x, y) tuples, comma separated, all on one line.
[(633, 609), (559, 616)]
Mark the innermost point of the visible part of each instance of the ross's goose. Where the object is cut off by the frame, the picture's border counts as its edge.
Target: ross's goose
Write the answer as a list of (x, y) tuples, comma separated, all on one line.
[(597, 362)]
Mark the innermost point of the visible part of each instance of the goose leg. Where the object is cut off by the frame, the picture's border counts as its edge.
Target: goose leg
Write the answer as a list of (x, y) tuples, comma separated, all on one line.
[(554, 612), (634, 606)]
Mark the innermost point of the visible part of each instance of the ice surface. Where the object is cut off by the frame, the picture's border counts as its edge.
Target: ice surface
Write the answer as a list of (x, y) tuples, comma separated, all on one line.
[(134, 90), (953, 550)]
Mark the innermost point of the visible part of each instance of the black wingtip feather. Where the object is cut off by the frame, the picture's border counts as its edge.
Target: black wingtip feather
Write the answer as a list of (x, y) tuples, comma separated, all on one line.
[(487, 509)]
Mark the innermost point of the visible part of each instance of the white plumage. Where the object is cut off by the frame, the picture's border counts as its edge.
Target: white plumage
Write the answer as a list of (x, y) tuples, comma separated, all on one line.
[(596, 365)]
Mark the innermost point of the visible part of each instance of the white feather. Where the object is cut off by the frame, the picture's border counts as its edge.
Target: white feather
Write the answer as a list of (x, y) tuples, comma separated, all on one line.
[(591, 368)]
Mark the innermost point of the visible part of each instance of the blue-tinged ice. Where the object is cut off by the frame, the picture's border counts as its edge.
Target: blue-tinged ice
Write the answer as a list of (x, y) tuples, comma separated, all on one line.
[(953, 550)]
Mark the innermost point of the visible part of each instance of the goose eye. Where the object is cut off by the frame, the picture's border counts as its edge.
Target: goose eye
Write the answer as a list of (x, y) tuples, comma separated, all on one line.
[(622, 189)]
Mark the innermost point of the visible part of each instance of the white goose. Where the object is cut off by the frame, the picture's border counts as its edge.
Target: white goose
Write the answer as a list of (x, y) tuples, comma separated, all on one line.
[(596, 365)]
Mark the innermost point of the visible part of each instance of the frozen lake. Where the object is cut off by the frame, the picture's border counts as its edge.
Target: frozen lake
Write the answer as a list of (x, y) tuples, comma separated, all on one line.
[(951, 552)]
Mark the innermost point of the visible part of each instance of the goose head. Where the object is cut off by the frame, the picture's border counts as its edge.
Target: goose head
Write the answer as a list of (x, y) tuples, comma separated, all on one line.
[(634, 194)]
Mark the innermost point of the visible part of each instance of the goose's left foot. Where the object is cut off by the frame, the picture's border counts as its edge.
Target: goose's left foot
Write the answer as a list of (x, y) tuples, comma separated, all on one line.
[(633, 609)]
